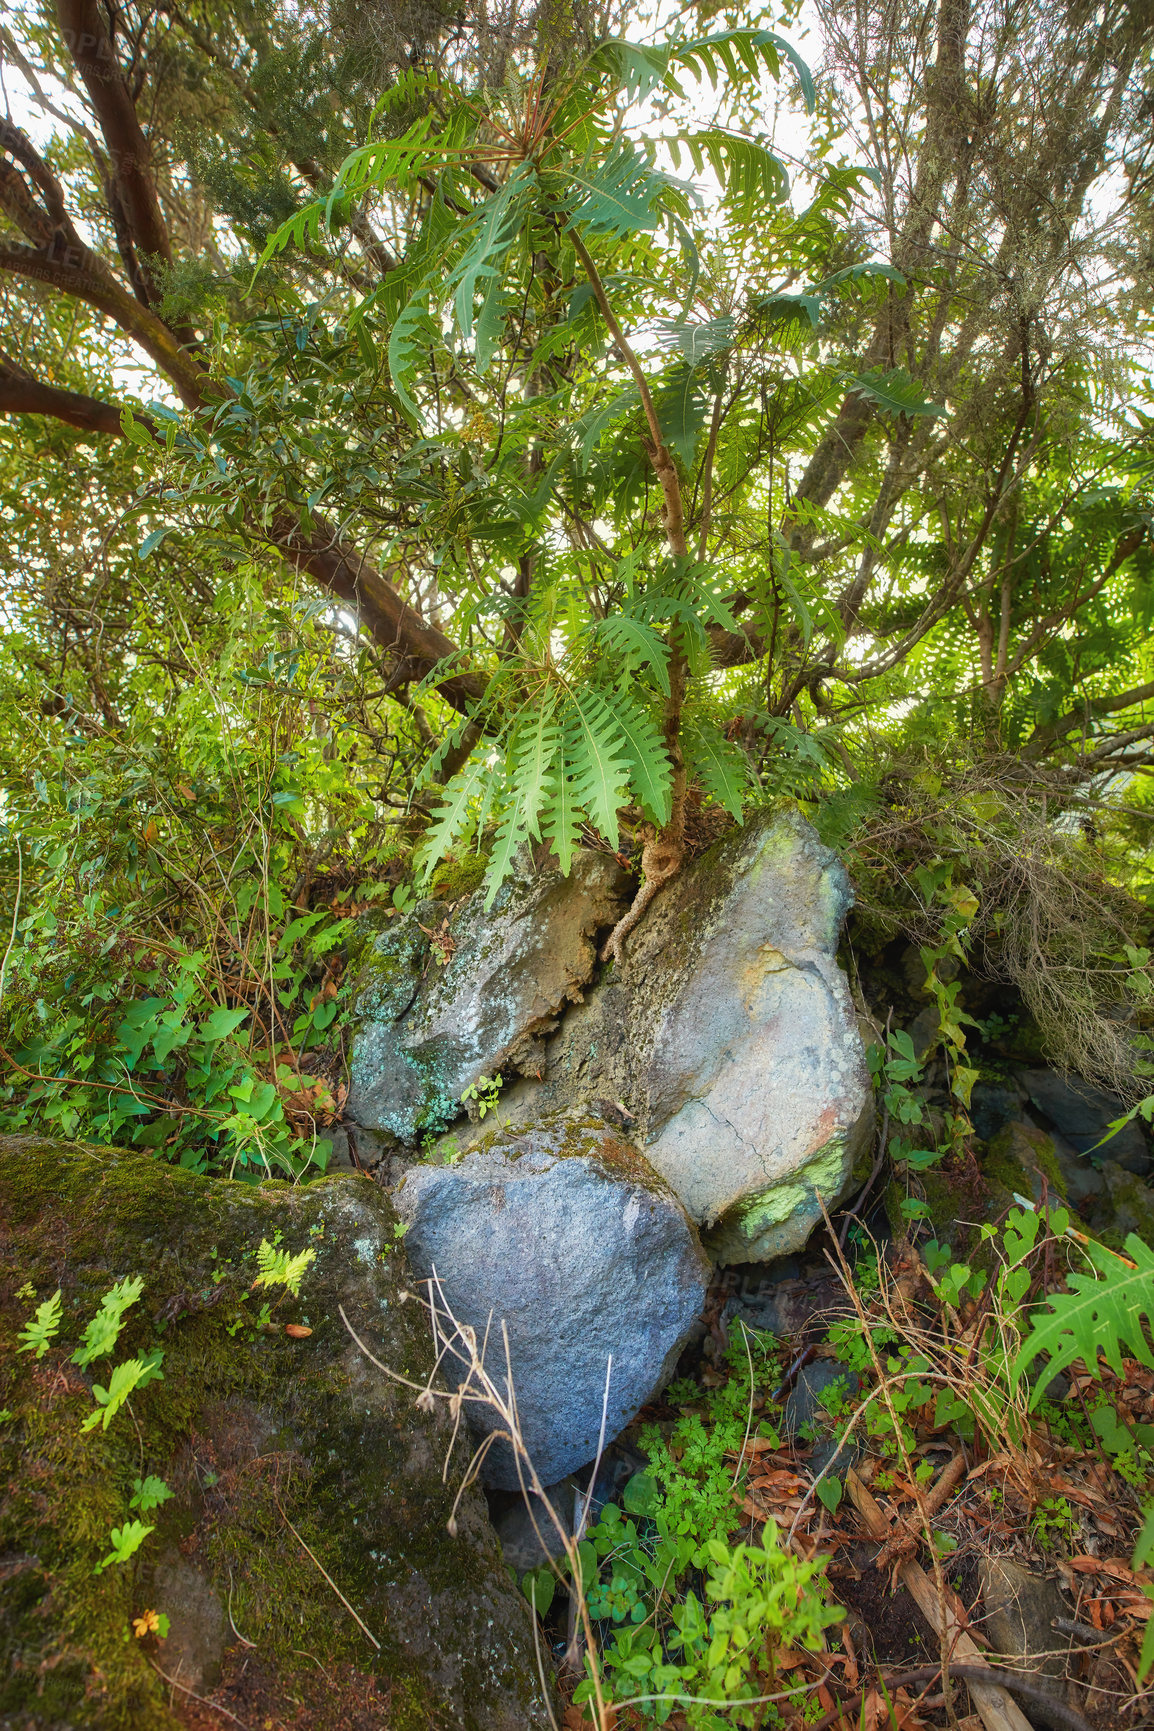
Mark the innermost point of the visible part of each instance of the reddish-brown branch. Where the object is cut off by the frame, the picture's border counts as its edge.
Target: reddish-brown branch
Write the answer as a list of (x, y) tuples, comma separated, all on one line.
[(20, 395), (130, 157)]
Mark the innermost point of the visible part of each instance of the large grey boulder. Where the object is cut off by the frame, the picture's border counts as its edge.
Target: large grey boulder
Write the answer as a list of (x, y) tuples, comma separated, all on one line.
[(566, 1236), (479, 999), (306, 1484), (729, 1039)]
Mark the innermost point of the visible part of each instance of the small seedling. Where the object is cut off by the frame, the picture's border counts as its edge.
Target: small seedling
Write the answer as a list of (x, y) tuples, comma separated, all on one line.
[(125, 1542), (42, 1330)]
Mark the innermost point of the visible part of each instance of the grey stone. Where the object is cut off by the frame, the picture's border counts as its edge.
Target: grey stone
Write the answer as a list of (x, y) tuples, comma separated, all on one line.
[(527, 1531), (1124, 1205), (804, 1404), (429, 1028), (993, 1105), (196, 1638), (566, 1236), (730, 1037), (1083, 1114), (1020, 1610)]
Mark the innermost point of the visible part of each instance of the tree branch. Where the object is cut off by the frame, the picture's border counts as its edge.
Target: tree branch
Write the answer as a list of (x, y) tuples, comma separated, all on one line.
[(130, 158), (21, 395)]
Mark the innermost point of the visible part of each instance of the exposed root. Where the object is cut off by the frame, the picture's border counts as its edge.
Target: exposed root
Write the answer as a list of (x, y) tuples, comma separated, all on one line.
[(661, 859)]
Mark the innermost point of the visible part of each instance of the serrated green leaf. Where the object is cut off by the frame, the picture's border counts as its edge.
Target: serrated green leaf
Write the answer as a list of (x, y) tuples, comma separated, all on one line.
[(453, 816), (894, 392), (590, 427), (637, 644), (681, 402), (1107, 1312), (721, 765), (618, 196), (412, 329), (600, 766), (650, 769)]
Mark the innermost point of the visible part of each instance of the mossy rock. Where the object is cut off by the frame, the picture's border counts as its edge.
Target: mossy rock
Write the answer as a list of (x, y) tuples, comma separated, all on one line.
[(304, 1479)]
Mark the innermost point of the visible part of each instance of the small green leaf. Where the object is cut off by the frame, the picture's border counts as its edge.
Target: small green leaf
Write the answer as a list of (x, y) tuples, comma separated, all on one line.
[(125, 1542), (830, 1491), (42, 1330), (148, 1494), (221, 1024)]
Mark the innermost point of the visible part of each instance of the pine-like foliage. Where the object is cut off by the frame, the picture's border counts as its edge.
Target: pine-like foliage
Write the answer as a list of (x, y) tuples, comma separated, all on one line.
[(1107, 1312)]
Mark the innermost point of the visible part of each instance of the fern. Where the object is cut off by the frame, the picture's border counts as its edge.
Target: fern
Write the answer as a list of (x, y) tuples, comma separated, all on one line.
[(698, 343), (635, 644), (102, 1333), (413, 330), (1105, 1312), (601, 769), (738, 53), (893, 392), (277, 1267), (751, 176), (721, 766), (649, 766), (681, 401), (134, 1373), (44, 1327), (618, 196)]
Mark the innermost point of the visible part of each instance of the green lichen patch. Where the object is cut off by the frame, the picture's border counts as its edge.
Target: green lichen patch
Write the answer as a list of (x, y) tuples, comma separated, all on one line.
[(780, 1218), (273, 1446)]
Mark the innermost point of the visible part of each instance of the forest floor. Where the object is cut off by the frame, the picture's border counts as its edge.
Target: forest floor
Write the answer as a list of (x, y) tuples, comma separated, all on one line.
[(956, 1524)]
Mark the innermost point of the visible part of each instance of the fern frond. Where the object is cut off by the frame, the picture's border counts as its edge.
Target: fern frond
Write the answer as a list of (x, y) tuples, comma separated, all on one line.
[(563, 812), (1107, 1312), (681, 401), (636, 644), (698, 343), (751, 175), (102, 1333), (455, 817), (44, 1327), (621, 195), (277, 1267), (741, 54), (721, 766), (893, 392), (600, 768), (413, 329), (649, 768)]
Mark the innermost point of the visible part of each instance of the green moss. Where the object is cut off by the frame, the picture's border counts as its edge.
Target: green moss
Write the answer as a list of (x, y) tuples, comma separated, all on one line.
[(255, 1433), (1018, 1158), (457, 878)]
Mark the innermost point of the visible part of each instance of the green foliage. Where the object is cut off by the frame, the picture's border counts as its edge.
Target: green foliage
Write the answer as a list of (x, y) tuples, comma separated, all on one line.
[(276, 1267), (127, 1377), (44, 1327), (1107, 1311), (148, 1494), (102, 1333), (125, 1542), (486, 1091)]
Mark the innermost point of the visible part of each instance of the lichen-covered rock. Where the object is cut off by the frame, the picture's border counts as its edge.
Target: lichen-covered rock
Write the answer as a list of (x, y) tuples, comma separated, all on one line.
[(730, 1037), (567, 1236), (273, 1445), (433, 1018)]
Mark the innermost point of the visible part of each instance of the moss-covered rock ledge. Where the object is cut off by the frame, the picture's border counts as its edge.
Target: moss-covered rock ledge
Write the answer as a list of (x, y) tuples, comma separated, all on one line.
[(256, 1432)]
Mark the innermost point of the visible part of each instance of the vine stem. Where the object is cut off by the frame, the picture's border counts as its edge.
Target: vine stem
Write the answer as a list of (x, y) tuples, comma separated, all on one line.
[(664, 850)]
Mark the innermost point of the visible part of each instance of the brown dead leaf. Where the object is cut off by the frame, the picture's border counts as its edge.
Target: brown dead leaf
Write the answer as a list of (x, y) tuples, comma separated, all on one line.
[(1111, 1567)]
